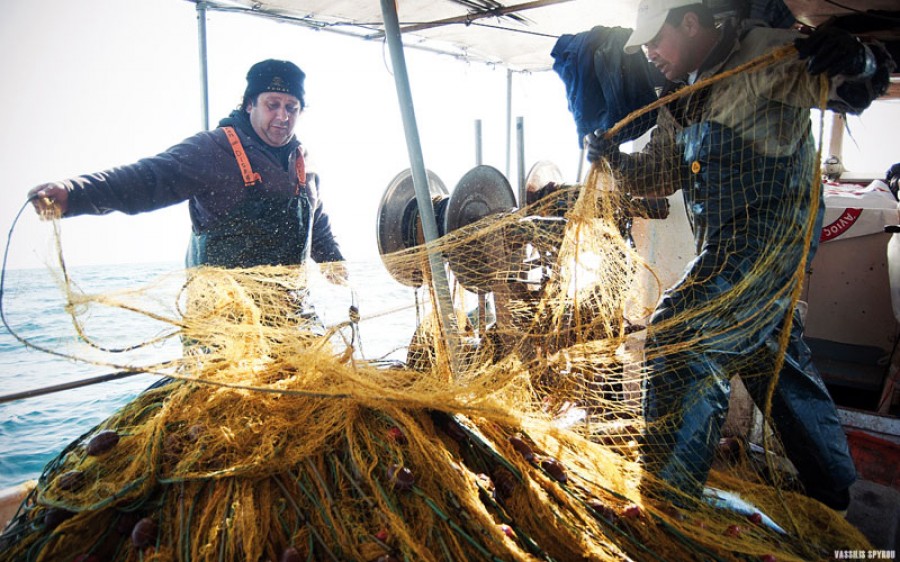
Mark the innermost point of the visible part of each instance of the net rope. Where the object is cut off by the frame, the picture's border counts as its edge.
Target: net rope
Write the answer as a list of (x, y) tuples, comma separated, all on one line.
[(271, 438)]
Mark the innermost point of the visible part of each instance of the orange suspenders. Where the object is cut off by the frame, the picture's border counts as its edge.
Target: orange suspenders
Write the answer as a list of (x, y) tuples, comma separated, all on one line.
[(300, 164), (250, 177)]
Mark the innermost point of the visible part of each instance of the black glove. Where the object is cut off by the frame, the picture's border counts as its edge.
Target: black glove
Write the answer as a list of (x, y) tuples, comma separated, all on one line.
[(853, 96), (598, 146), (892, 178), (893, 172), (833, 51)]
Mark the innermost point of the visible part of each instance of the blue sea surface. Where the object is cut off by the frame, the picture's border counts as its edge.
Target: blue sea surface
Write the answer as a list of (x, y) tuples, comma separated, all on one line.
[(34, 430)]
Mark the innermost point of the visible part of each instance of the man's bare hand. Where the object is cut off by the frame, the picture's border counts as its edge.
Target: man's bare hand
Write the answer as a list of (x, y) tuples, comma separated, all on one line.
[(50, 200)]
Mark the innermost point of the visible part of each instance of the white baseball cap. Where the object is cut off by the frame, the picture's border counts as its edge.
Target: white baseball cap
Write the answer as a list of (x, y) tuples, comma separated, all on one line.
[(651, 15)]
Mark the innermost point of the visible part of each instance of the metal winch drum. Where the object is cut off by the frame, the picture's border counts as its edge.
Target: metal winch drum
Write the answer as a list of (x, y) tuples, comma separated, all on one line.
[(481, 192)]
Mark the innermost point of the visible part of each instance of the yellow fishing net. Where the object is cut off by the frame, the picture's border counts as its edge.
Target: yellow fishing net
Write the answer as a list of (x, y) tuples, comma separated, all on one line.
[(513, 435)]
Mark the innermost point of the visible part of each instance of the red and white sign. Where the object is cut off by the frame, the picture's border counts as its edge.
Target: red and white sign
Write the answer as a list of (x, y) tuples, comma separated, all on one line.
[(857, 210)]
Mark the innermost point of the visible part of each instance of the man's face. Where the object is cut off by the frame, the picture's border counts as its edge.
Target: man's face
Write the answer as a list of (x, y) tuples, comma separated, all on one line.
[(671, 50), (274, 116)]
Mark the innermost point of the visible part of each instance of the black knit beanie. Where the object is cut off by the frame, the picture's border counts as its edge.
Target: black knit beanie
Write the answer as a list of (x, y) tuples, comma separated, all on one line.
[(274, 76)]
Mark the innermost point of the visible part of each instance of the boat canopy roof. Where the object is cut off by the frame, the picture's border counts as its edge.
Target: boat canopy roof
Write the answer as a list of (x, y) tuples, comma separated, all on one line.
[(517, 34)]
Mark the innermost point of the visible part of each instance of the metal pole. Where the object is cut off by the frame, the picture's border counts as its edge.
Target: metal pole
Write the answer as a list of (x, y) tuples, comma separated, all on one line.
[(68, 386), (420, 180), (478, 150), (581, 164), (508, 120), (836, 146), (520, 152), (482, 298), (204, 76)]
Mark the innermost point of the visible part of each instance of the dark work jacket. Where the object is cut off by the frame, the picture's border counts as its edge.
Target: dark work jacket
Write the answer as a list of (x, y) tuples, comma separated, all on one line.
[(203, 170)]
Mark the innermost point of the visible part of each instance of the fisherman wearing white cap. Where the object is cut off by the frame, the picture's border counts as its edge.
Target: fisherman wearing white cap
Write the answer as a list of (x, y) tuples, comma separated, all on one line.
[(651, 16), (742, 152)]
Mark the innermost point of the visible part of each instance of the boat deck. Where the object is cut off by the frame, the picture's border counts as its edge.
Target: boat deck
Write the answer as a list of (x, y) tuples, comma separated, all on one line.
[(874, 441), (875, 511)]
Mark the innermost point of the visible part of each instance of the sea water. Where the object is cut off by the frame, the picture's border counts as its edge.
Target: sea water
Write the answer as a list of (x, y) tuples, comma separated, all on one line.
[(34, 430)]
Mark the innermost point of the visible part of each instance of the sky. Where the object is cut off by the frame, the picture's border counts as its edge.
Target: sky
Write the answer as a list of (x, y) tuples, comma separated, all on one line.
[(93, 84), (101, 83)]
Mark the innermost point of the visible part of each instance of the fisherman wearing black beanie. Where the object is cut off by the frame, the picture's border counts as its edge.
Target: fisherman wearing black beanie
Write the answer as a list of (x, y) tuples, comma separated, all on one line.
[(274, 76), (253, 198), (280, 77)]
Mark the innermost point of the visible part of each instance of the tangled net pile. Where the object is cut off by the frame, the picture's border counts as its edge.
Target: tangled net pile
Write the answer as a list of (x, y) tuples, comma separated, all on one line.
[(271, 441)]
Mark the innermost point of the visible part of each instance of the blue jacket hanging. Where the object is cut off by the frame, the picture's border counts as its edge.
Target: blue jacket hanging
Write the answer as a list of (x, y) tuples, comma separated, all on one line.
[(603, 84)]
